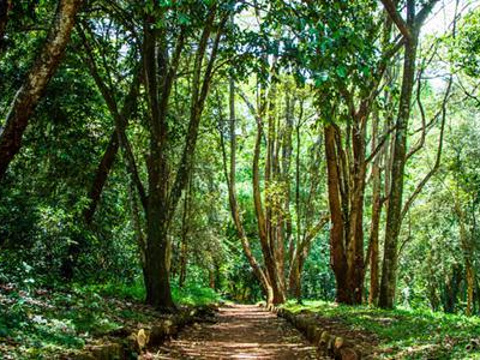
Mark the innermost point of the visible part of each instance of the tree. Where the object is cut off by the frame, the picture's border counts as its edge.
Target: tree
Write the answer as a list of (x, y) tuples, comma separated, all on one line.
[(410, 30), (33, 87), (165, 34)]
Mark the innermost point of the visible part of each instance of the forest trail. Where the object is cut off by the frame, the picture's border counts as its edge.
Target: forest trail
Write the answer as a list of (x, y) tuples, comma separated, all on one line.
[(241, 332)]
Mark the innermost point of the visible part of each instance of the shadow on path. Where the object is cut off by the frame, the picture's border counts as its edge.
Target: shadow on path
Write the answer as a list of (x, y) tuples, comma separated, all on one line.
[(242, 332)]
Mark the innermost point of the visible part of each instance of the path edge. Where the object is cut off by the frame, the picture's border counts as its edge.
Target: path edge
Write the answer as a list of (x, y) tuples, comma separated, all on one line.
[(122, 347), (337, 347)]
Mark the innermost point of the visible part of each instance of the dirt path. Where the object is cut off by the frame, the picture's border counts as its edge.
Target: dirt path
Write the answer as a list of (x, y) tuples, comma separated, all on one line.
[(242, 332)]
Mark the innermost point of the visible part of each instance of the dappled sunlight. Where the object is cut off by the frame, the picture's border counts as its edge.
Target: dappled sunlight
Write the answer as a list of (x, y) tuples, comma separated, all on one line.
[(242, 332)]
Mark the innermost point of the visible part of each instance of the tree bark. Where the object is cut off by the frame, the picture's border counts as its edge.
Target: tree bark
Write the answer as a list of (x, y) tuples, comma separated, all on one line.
[(394, 211), (137, 226), (30, 93), (466, 246), (346, 188), (375, 222), (413, 24), (452, 287), (232, 198), (184, 240), (338, 259), (163, 195)]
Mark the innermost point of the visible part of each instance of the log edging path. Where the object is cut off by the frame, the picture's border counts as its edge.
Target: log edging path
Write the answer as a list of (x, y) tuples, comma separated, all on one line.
[(337, 347), (124, 342)]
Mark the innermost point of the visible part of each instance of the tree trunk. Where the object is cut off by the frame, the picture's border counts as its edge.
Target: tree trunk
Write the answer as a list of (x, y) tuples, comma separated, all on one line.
[(394, 211), (355, 255), (275, 295), (211, 274), (466, 245), (410, 30), (230, 172), (158, 278), (163, 194), (375, 222), (185, 230), (101, 176), (183, 263), (338, 260), (452, 287), (346, 190), (137, 226), (27, 98)]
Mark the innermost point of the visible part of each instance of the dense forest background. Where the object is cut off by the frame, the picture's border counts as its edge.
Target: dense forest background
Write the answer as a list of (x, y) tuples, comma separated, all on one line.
[(267, 150)]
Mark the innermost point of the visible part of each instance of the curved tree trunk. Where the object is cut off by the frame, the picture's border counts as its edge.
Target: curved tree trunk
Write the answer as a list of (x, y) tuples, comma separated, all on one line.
[(230, 174), (28, 96)]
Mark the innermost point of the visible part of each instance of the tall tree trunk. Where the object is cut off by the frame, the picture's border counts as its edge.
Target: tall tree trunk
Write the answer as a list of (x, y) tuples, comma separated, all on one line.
[(375, 222), (295, 274), (338, 260), (452, 287), (410, 30), (230, 172), (275, 297), (101, 176), (346, 168), (137, 226), (157, 275), (164, 195), (355, 251), (394, 211), (467, 250), (184, 240), (273, 206), (30, 93)]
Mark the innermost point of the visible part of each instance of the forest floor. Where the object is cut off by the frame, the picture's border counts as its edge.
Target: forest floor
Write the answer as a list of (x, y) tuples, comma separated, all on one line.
[(241, 332), (398, 334), (40, 323), (44, 323)]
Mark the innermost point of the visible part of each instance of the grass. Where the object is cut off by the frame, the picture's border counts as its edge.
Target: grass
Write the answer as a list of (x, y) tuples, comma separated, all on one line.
[(37, 324), (407, 334), (194, 295)]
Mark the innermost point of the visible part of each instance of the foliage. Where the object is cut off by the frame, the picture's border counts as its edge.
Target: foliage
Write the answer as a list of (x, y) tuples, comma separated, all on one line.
[(312, 64), (37, 323), (405, 333)]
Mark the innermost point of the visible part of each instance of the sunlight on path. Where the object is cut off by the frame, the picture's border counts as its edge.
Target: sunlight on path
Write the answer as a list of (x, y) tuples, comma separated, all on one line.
[(242, 332)]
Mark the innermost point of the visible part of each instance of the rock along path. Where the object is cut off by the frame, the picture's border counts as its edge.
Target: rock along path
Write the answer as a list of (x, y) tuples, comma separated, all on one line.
[(242, 332)]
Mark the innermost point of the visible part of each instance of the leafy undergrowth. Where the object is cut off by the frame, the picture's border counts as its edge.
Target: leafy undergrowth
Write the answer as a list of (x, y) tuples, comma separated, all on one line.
[(405, 334), (40, 323)]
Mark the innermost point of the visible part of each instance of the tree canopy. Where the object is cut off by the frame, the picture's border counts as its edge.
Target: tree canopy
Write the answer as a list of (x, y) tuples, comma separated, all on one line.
[(253, 150)]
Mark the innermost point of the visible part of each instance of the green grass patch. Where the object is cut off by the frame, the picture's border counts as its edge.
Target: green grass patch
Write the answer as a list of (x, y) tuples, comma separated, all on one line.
[(38, 323), (194, 295), (410, 334)]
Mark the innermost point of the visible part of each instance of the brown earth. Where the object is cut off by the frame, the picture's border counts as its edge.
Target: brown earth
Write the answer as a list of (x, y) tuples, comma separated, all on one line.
[(241, 332)]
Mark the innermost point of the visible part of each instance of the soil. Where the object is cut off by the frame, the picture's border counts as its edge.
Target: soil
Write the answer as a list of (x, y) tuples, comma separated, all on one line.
[(240, 332)]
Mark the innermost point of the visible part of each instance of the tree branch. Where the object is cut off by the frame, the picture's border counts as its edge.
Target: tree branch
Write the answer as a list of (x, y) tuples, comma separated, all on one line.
[(119, 118), (435, 167), (402, 26), (32, 89)]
